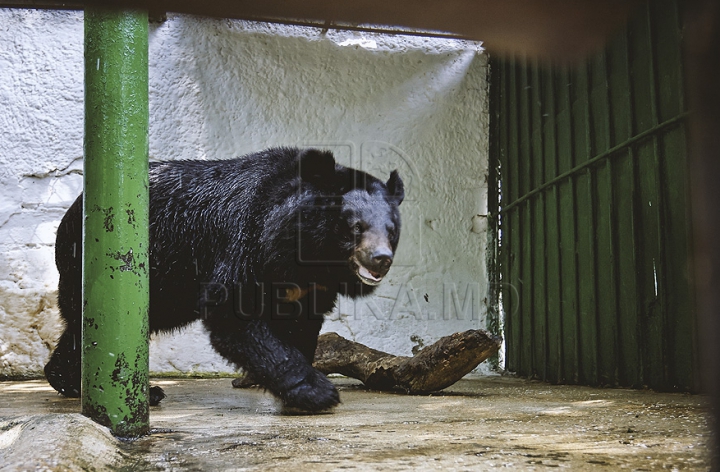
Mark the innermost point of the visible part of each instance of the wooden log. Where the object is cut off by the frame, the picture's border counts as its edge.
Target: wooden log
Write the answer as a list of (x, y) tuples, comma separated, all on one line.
[(434, 368)]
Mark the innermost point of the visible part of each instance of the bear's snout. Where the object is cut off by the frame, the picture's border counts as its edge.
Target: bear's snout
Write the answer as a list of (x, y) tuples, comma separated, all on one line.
[(371, 262), (382, 259)]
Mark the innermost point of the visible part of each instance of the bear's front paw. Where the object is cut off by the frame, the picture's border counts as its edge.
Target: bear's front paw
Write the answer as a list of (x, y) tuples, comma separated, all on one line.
[(314, 393)]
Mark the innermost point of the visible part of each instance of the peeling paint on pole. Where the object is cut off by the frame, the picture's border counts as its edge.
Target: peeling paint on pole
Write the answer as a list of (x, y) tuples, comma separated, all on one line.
[(115, 239)]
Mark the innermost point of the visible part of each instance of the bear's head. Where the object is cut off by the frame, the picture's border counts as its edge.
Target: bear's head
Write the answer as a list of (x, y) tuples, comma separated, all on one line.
[(360, 210)]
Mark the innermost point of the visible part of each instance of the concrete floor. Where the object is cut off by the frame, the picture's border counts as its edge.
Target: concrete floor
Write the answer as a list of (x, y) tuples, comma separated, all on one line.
[(480, 423)]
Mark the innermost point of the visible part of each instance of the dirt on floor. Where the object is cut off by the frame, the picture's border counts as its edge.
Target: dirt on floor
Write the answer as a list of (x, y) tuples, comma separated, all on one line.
[(480, 423)]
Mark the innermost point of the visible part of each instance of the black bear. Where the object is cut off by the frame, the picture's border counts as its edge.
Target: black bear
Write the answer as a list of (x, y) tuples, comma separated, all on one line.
[(259, 248)]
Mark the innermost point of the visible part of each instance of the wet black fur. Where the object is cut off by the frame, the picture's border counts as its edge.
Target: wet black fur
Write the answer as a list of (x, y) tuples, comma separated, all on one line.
[(220, 230)]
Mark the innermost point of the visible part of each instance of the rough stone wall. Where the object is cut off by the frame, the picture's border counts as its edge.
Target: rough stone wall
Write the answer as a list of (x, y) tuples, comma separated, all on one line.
[(41, 110), (221, 88)]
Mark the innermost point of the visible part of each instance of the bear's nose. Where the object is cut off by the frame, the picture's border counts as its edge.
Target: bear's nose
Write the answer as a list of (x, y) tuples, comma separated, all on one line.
[(382, 258)]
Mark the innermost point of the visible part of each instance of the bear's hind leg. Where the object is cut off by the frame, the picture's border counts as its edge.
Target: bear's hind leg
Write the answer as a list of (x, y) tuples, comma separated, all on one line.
[(63, 369), (276, 365)]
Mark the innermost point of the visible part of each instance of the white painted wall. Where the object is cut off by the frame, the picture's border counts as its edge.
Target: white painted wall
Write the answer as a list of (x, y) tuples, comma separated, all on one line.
[(221, 88)]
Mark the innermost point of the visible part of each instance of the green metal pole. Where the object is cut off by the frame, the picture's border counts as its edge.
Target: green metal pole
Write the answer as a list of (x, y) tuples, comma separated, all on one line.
[(115, 236)]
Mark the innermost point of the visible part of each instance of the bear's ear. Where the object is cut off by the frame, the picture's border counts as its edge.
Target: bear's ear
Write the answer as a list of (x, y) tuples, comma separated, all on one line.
[(395, 187), (315, 166)]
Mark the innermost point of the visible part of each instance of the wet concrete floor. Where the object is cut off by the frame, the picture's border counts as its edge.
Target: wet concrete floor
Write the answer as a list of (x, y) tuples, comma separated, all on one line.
[(480, 423)]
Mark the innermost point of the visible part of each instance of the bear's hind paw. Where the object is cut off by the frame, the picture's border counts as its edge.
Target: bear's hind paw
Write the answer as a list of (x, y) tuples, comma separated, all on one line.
[(156, 394)]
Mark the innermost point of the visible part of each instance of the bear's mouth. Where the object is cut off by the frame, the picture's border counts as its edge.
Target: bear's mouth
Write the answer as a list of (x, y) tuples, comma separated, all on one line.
[(366, 276)]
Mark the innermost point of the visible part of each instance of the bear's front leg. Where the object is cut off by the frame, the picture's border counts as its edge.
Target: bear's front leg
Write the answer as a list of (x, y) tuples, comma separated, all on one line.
[(276, 365)]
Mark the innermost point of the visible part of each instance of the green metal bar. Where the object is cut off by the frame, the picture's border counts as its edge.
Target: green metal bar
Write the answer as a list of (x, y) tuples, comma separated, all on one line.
[(668, 58), (648, 202), (526, 226), (680, 330), (615, 149), (621, 212), (539, 229), (660, 345), (568, 233), (552, 214), (626, 219), (606, 251), (585, 230), (115, 236)]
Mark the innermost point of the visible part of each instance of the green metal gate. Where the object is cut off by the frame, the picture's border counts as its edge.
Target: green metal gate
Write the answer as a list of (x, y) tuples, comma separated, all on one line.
[(591, 212)]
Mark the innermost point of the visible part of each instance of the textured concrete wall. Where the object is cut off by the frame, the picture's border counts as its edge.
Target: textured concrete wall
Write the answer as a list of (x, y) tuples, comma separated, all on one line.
[(222, 88)]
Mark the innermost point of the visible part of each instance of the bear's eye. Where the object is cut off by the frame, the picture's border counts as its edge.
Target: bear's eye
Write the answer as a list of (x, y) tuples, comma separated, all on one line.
[(357, 228)]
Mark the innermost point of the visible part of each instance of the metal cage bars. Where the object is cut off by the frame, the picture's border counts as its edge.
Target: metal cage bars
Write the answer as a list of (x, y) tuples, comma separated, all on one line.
[(590, 212)]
